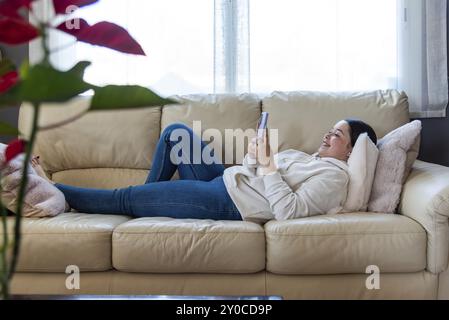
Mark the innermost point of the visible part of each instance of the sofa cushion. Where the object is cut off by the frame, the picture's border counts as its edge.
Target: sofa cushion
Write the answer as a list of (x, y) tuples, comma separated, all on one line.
[(304, 117), (345, 243), (100, 139), (52, 244), (219, 112), (166, 245), (101, 178)]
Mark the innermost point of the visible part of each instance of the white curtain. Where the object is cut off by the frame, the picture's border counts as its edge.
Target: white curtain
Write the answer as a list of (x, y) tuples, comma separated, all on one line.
[(422, 68)]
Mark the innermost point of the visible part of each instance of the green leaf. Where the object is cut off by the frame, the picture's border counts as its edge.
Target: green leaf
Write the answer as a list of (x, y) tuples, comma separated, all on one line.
[(80, 68), (46, 84), (6, 66), (126, 97), (8, 130)]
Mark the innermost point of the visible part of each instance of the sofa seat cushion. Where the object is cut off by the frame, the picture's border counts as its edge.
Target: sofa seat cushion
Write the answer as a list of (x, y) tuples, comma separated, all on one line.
[(345, 243), (52, 244), (166, 245)]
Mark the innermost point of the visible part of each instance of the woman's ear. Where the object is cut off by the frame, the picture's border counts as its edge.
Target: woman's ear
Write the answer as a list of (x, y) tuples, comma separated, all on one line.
[(349, 150)]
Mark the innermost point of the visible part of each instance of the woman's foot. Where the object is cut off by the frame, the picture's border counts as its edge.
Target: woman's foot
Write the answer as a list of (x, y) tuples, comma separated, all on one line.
[(37, 167)]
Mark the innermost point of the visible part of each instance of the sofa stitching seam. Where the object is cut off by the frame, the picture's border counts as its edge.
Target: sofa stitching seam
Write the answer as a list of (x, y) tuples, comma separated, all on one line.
[(246, 233), (96, 168), (190, 233), (49, 270), (346, 234), (66, 233)]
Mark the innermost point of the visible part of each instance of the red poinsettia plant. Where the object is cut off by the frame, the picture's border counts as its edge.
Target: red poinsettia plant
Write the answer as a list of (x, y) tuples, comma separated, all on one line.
[(42, 82)]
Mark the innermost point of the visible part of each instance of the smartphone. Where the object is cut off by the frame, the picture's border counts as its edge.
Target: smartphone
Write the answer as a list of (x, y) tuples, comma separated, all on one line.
[(262, 125)]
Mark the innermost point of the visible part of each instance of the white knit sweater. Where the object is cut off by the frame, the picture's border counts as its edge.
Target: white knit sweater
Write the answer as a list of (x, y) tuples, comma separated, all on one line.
[(304, 185)]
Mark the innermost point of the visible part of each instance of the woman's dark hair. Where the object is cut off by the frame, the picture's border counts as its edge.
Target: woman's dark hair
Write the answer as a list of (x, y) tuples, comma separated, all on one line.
[(357, 127)]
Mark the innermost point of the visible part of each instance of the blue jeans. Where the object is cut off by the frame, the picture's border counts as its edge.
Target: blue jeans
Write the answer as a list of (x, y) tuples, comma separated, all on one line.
[(200, 192)]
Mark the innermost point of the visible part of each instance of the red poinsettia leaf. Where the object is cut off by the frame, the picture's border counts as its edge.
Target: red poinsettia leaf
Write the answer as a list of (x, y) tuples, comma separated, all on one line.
[(14, 31), (24, 3), (9, 11), (74, 27), (62, 5), (8, 80), (14, 148), (105, 34), (10, 8)]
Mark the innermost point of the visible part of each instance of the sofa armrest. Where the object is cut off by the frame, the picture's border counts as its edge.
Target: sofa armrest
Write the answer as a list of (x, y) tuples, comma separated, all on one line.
[(425, 198)]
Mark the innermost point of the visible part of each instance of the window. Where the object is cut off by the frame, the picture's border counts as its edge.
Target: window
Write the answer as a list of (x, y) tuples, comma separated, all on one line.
[(323, 45), (177, 36), (233, 46)]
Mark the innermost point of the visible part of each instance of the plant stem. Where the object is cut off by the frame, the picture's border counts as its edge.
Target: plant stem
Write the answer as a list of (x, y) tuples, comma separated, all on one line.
[(44, 35), (23, 183), (4, 283)]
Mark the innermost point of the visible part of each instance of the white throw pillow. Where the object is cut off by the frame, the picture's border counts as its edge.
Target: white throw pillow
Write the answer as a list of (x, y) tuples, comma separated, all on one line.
[(361, 169), (42, 199)]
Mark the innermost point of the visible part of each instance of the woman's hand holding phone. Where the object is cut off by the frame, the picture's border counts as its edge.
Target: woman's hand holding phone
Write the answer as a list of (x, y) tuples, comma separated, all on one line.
[(265, 155), (259, 149), (252, 148)]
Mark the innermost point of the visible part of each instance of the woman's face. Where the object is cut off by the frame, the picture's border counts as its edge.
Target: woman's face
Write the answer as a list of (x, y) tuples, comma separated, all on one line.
[(337, 142)]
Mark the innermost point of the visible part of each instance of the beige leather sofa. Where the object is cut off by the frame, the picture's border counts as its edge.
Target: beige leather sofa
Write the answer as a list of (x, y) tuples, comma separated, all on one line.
[(322, 257)]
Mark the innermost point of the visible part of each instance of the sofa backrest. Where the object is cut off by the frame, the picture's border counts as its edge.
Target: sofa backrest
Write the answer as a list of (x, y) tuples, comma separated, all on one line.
[(101, 149), (105, 149), (219, 112), (303, 118)]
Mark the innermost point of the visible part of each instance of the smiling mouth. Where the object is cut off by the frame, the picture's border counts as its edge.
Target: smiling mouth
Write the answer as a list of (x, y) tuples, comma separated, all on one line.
[(324, 144)]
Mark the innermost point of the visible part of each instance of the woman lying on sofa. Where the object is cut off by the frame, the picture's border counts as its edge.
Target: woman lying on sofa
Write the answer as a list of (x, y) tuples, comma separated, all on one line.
[(294, 185)]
